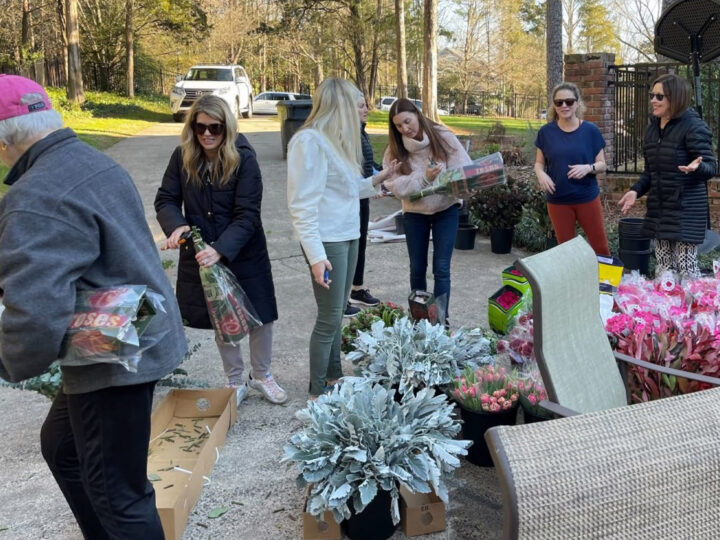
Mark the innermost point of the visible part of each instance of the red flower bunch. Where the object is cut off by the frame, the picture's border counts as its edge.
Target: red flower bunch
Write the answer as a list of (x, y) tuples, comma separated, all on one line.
[(508, 299), (487, 389), (519, 344)]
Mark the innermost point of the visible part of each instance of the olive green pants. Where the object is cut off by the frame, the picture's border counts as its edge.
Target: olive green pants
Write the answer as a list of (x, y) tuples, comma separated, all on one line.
[(325, 338)]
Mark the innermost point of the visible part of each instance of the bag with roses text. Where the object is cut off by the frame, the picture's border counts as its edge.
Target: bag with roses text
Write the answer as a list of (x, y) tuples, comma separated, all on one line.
[(113, 325)]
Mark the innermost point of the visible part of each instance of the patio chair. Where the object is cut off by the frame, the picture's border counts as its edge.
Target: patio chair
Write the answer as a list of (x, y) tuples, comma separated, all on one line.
[(650, 470), (577, 364)]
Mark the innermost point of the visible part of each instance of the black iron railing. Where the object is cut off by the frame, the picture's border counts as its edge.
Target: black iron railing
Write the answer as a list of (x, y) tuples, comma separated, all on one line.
[(632, 107)]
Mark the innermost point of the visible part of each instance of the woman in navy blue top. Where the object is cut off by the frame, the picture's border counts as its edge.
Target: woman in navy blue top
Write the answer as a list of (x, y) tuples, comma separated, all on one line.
[(569, 155)]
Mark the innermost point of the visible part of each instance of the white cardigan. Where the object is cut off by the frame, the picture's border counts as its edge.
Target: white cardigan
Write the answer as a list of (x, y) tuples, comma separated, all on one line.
[(323, 194)]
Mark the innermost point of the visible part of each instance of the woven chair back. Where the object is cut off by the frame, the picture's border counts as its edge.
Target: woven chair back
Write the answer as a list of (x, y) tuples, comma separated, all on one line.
[(571, 346)]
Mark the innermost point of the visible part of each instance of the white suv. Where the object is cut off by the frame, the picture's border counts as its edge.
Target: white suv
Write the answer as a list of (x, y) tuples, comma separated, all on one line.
[(231, 83)]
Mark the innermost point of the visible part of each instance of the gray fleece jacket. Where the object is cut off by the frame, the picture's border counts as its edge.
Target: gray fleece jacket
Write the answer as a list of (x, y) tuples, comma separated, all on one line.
[(73, 219)]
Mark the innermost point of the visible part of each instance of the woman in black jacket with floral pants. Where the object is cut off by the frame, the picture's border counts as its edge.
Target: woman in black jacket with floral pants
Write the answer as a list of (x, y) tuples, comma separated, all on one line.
[(678, 162), (214, 177)]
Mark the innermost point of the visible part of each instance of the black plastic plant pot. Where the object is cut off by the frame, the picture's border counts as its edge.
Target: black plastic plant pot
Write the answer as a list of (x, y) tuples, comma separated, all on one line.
[(399, 224), (475, 424), (465, 237), (501, 240), (373, 523)]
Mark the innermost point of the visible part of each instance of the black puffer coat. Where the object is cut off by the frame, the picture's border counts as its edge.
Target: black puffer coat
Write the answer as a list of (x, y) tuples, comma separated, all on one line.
[(229, 220), (677, 203)]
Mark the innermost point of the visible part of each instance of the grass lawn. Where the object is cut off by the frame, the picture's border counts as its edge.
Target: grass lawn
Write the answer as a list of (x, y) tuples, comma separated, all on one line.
[(474, 127), (105, 118)]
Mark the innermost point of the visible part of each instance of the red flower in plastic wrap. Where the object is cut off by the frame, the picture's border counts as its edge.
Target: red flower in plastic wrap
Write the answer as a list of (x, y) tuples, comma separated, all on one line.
[(106, 298), (92, 342), (230, 325)]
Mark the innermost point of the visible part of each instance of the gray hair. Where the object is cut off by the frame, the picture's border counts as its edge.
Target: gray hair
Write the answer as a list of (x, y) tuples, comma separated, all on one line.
[(20, 129)]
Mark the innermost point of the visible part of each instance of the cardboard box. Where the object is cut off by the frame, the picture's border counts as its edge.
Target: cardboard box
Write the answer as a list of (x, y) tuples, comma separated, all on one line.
[(421, 513), (325, 529), (187, 431)]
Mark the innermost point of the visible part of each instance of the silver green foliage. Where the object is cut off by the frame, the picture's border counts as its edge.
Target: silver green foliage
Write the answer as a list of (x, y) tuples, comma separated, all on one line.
[(418, 354), (358, 440)]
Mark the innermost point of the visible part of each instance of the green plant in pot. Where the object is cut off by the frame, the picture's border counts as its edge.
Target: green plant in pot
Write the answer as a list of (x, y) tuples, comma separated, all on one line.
[(500, 208), (359, 445), (536, 209), (415, 355)]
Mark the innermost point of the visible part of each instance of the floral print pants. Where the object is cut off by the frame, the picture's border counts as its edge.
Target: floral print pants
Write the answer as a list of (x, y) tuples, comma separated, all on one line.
[(676, 256)]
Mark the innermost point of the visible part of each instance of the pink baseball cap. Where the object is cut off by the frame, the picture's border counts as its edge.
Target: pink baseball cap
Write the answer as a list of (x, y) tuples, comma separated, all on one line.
[(19, 96)]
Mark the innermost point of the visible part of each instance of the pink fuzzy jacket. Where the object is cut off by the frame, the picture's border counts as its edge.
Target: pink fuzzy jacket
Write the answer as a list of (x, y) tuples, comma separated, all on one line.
[(403, 186)]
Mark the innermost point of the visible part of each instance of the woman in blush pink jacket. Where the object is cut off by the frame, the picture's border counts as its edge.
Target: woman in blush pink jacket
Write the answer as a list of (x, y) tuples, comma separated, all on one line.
[(424, 149)]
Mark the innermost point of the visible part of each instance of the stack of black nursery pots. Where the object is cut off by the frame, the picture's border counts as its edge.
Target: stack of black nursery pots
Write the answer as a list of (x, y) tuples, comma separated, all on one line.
[(635, 245), (466, 233)]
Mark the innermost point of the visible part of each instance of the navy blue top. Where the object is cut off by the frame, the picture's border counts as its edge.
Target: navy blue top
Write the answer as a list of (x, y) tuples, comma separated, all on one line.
[(562, 149)]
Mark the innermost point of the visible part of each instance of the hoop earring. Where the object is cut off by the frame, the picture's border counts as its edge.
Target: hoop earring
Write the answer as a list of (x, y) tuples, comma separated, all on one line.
[(3, 146)]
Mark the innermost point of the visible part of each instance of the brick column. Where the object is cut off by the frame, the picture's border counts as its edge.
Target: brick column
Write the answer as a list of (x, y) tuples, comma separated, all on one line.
[(591, 73)]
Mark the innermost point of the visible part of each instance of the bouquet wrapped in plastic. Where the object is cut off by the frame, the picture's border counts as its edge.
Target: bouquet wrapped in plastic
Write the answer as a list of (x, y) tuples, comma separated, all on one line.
[(231, 313), (462, 182), (108, 325)]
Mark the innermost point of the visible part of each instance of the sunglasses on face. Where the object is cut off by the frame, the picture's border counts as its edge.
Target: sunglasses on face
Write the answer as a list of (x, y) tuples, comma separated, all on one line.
[(658, 97), (214, 129), (568, 102)]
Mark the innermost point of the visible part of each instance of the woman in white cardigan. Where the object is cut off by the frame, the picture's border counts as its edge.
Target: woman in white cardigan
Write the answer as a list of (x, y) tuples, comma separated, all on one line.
[(424, 148), (324, 188)]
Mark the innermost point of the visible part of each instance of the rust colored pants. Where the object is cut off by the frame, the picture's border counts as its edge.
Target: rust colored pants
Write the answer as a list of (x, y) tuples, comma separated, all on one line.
[(590, 217)]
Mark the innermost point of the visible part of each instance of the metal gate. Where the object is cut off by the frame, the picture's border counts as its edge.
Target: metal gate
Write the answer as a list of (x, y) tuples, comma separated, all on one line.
[(632, 108)]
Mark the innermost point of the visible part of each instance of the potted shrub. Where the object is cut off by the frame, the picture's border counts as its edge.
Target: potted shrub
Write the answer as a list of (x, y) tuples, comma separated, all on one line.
[(536, 209), (358, 446), (487, 398), (418, 355), (500, 209), (388, 313)]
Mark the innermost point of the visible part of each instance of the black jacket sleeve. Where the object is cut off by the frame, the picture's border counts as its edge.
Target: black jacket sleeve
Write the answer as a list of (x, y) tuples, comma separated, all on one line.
[(169, 197)]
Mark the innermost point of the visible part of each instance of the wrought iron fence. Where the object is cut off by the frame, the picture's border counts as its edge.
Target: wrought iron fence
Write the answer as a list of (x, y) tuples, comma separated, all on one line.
[(481, 103), (632, 107)]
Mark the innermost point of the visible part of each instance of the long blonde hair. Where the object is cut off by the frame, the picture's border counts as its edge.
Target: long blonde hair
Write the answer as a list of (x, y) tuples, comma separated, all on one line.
[(193, 156), (334, 114)]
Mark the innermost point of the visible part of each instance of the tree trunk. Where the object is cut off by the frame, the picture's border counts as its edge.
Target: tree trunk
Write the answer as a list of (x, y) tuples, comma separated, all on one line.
[(357, 39), (429, 94), (402, 78), (75, 92), (62, 25), (375, 59), (553, 43), (129, 49)]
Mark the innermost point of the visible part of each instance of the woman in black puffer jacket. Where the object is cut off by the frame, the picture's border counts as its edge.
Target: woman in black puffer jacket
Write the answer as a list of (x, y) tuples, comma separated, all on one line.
[(678, 162)]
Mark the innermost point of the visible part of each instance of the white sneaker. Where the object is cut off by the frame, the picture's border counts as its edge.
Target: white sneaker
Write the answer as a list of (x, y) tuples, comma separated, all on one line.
[(241, 392), (269, 388)]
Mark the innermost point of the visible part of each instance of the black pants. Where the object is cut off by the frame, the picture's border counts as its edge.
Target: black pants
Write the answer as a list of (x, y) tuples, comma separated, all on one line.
[(96, 446), (364, 218)]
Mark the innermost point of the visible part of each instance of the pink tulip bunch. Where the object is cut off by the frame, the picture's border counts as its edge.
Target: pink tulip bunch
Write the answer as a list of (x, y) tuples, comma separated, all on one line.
[(531, 392), (487, 389)]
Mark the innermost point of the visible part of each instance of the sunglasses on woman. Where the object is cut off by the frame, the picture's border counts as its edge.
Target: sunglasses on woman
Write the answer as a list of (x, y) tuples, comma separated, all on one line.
[(568, 102), (658, 97), (215, 129)]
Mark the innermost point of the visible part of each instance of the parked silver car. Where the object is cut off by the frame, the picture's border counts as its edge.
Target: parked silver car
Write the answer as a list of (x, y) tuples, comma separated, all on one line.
[(266, 103)]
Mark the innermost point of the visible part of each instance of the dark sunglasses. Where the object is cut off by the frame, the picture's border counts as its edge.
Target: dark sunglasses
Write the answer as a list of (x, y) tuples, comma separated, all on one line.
[(214, 129), (569, 102), (659, 97)]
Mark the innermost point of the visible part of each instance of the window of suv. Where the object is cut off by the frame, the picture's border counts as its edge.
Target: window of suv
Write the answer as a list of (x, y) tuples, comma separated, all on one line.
[(302, 96), (209, 74)]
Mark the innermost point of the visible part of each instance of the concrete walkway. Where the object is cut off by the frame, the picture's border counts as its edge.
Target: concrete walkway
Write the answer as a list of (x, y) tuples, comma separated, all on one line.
[(264, 502)]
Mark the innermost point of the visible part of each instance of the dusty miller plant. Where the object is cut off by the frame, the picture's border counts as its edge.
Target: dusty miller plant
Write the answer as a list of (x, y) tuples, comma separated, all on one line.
[(358, 440), (417, 355)]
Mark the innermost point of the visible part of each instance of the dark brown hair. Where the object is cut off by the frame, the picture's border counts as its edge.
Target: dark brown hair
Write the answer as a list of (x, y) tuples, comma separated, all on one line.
[(438, 148), (677, 92)]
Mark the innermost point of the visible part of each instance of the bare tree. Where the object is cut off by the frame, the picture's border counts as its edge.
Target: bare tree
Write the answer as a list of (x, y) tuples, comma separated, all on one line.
[(571, 22), (75, 92), (636, 34), (554, 45), (129, 49), (429, 91), (402, 80)]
